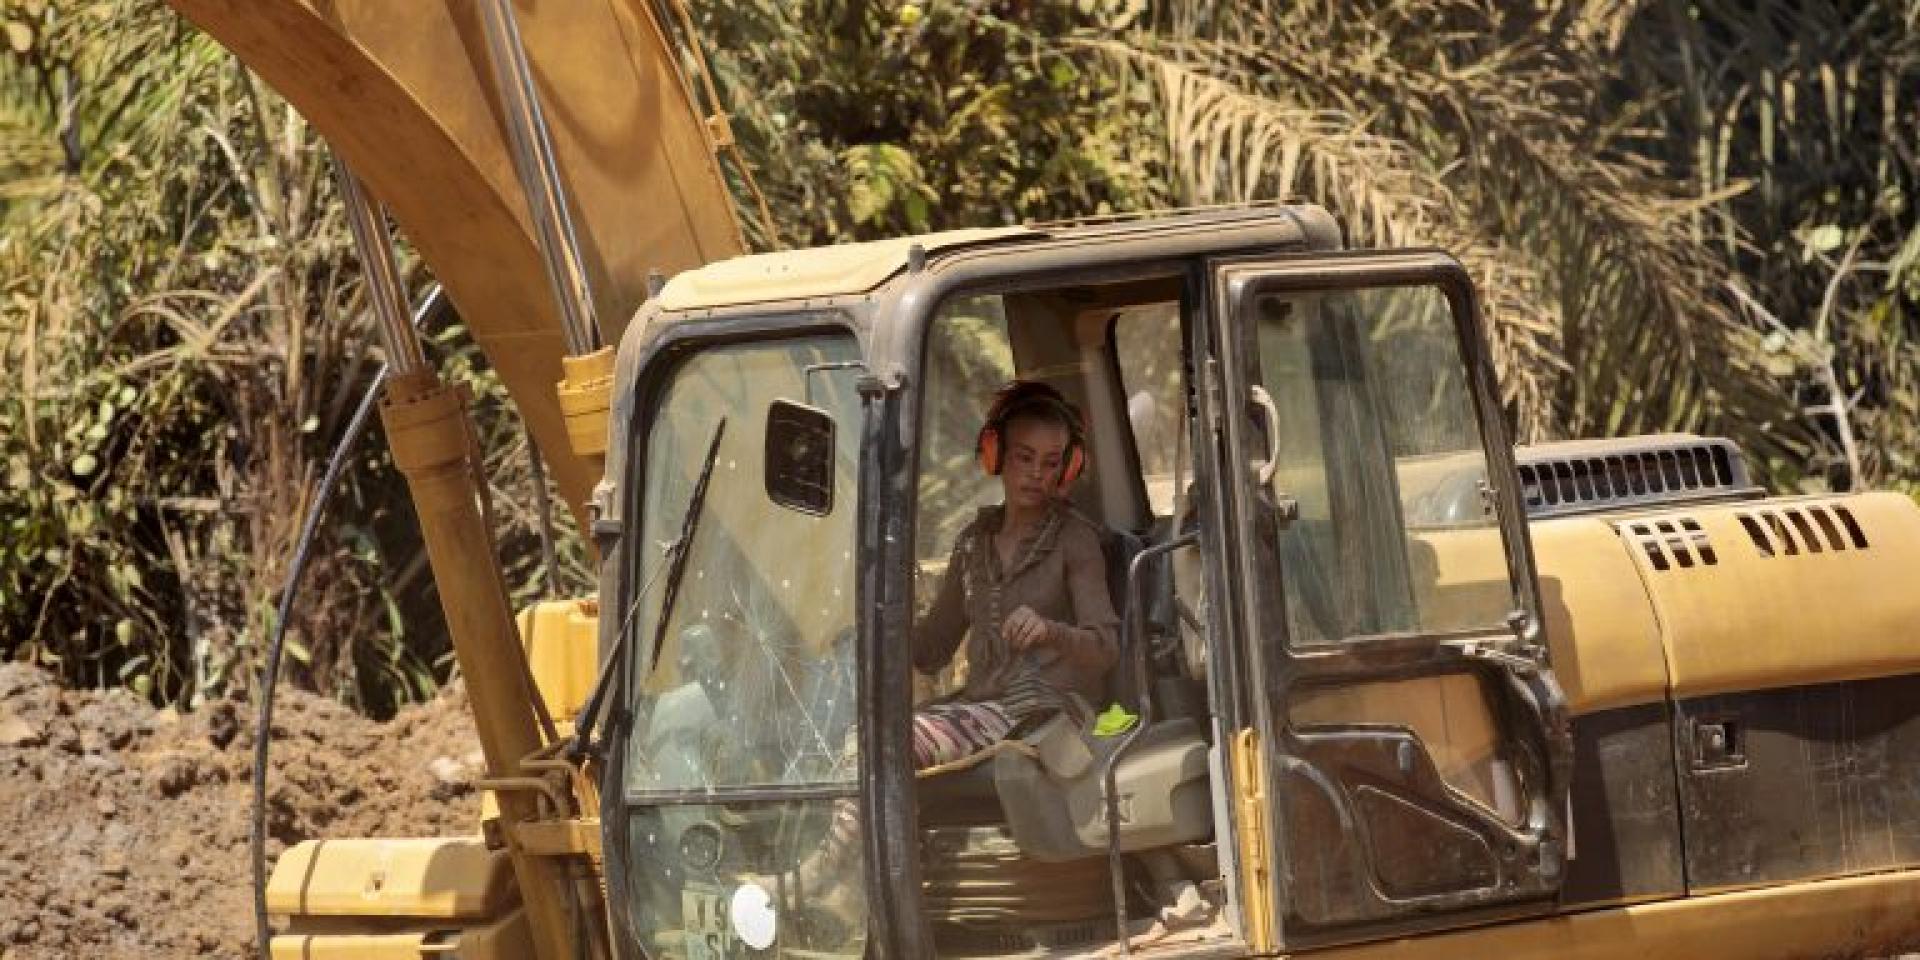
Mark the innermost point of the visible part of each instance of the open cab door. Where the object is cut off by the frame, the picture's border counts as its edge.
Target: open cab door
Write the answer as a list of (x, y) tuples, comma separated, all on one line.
[(1406, 764)]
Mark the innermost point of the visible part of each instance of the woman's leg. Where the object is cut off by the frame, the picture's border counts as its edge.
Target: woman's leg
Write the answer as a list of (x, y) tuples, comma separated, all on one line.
[(946, 733), (942, 733)]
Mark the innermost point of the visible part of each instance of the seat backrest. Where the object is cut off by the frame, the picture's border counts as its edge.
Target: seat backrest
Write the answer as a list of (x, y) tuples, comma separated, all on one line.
[(1120, 547)]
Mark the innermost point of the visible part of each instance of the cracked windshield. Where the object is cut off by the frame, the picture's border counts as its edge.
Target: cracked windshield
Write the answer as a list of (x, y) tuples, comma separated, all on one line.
[(753, 683), (742, 763)]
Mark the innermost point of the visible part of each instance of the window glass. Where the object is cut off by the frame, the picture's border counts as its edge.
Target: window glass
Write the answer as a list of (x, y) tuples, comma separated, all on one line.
[(754, 683), (968, 358), (743, 757), (1378, 444), (1150, 351)]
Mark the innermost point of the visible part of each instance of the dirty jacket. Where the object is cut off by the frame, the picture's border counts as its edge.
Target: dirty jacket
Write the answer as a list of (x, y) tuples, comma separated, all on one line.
[(1059, 571)]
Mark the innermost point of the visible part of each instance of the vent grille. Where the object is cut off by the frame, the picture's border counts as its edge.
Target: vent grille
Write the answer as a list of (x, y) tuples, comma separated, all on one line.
[(1694, 469), (1679, 542), (1815, 528)]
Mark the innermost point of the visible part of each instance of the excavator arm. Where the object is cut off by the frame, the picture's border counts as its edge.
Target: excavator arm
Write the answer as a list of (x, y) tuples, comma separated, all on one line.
[(404, 93)]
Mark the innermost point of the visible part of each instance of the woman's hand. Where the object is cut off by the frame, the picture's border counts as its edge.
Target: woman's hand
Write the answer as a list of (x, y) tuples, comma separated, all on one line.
[(1023, 628)]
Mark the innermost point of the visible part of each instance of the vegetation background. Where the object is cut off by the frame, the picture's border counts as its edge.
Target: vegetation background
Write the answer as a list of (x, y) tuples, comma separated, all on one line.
[(1686, 214)]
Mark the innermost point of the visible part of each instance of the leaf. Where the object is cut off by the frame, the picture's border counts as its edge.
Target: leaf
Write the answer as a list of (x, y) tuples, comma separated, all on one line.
[(19, 36), (84, 465), (1824, 238)]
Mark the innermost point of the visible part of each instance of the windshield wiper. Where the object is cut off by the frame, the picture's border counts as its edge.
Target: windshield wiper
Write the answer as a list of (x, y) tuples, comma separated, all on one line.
[(683, 547), (677, 554)]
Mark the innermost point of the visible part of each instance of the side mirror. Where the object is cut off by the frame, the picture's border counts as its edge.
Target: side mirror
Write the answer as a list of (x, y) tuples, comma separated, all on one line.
[(799, 457)]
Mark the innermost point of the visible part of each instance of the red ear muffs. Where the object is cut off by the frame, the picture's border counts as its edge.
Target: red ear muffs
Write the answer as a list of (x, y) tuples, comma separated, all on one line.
[(1076, 462), (988, 448)]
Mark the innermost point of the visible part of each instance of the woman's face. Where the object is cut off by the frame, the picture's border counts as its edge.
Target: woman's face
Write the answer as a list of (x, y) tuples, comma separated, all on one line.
[(1036, 453)]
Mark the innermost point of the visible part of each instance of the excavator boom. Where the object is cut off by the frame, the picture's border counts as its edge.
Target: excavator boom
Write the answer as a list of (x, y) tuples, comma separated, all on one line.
[(404, 93)]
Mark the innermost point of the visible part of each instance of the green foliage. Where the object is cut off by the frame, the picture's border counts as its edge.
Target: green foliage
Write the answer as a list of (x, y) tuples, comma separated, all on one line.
[(1661, 239), (1682, 215), (1797, 121), (185, 338), (868, 120)]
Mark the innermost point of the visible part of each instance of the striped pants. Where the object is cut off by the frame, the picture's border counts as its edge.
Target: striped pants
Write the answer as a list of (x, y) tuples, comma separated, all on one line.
[(948, 732), (943, 733)]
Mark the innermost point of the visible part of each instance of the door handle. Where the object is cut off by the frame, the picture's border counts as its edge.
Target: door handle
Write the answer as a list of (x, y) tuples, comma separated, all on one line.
[(1271, 414)]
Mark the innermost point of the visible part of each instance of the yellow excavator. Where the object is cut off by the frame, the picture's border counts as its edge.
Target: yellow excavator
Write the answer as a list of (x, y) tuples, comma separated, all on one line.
[(1389, 687)]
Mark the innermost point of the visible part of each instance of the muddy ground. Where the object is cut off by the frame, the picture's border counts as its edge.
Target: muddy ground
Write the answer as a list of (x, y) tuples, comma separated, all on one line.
[(123, 829)]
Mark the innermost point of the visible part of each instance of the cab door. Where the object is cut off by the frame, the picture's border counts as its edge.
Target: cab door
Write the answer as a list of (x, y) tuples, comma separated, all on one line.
[(1405, 767)]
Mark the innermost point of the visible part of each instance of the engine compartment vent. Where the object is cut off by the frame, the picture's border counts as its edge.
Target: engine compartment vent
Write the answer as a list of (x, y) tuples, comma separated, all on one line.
[(1679, 542), (1807, 528), (1585, 476)]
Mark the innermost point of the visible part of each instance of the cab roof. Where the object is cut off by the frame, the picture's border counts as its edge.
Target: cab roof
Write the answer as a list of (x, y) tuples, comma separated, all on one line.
[(847, 269)]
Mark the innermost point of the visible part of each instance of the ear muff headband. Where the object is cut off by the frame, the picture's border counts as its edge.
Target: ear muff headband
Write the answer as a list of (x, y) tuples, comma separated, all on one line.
[(1021, 396)]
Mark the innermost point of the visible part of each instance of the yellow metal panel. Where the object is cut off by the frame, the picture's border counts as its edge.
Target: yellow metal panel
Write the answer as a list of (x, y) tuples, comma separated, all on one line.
[(559, 837), (842, 270), (354, 946), (1859, 916), (562, 643), (1605, 446), (439, 877), (1753, 622), (503, 939), (1599, 623), (1256, 852), (1601, 631)]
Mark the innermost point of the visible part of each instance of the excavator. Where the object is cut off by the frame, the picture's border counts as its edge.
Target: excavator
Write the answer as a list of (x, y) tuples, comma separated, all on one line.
[(1388, 686)]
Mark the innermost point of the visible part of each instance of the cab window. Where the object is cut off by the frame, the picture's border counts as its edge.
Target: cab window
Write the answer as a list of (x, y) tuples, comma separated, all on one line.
[(1377, 445)]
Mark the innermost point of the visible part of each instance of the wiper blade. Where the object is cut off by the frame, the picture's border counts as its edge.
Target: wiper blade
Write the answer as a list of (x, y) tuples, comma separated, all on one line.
[(677, 565), (683, 547)]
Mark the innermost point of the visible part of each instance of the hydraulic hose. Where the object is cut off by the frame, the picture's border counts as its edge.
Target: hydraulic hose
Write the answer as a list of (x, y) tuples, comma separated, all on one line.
[(434, 303)]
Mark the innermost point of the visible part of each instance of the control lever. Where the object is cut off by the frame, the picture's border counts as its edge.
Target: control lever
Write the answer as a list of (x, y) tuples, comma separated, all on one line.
[(1135, 654)]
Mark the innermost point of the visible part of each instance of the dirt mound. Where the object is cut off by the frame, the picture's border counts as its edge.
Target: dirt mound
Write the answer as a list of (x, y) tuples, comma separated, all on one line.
[(123, 829)]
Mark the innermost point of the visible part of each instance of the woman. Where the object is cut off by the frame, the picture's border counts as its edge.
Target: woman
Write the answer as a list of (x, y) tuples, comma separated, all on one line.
[(1026, 588)]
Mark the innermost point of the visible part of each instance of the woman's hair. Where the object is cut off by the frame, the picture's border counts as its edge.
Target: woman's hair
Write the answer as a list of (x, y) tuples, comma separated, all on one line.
[(1055, 410)]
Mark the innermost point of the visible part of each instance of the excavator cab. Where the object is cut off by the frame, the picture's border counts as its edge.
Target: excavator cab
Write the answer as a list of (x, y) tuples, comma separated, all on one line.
[(1328, 722)]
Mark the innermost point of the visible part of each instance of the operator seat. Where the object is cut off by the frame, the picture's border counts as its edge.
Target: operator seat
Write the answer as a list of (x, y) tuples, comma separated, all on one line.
[(1050, 790), (968, 797)]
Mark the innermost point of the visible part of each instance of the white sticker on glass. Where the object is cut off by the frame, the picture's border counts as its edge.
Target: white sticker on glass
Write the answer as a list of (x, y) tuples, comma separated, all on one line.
[(754, 919)]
